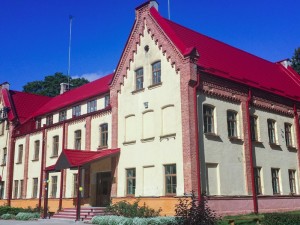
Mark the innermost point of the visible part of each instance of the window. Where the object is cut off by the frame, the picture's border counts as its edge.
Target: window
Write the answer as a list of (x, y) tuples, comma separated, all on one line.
[(130, 181), (36, 150), (275, 181), (38, 123), (75, 179), (232, 123), (20, 154), (288, 134), (257, 180), (53, 186), (4, 156), (253, 128), (2, 186), (156, 73), (106, 101), (49, 120), (16, 188), (55, 146), (77, 139), (292, 180), (92, 106), (103, 134), (35, 187), (208, 119), (21, 189), (271, 131), (62, 115), (170, 179), (139, 78), (76, 110), (2, 124)]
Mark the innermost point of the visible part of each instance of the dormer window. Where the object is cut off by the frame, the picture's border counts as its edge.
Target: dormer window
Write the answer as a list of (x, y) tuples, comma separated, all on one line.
[(49, 120), (139, 79), (62, 115), (38, 123), (92, 106), (76, 110), (106, 101)]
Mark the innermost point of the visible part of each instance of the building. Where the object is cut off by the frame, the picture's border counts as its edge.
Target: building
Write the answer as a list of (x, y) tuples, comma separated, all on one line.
[(182, 112)]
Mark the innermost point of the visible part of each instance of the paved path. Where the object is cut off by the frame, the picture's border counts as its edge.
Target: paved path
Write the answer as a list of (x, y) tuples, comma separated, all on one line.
[(41, 221)]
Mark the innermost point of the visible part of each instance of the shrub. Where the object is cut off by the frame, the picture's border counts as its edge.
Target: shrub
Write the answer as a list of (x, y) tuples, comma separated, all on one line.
[(27, 216), (126, 209), (7, 216), (194, 212), (16, 210), (120, 220), (282, 219)]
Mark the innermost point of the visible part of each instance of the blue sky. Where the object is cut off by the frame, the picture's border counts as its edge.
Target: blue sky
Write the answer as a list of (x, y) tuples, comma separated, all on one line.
[(34, 34)]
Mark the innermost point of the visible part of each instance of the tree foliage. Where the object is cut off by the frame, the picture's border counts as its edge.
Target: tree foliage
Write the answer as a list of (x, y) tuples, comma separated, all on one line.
[(50, 86), (296, 60)]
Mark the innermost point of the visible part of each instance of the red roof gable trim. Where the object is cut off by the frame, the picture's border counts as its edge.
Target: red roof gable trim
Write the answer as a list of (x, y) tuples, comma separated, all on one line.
[(74, 158), (7, 102)]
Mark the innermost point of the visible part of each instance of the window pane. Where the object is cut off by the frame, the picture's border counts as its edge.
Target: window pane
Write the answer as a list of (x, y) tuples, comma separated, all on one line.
[(156, 73), (139, 79)]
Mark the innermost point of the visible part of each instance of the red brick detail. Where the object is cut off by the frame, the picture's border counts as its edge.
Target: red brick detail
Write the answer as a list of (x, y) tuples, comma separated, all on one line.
[(25, 179), (87, 181), (247, 147), (66, 136), (297, 126), (88, 127), (44, 159), (10, 164), (114, 116), (114, 172)]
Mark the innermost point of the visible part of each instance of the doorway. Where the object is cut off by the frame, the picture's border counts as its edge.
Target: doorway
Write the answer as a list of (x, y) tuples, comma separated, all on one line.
[(103, 188)]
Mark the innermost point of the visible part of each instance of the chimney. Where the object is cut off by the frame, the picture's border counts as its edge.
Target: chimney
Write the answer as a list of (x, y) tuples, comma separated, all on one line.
[(5, 85), (154, 4), (285, 62), (63, 87)]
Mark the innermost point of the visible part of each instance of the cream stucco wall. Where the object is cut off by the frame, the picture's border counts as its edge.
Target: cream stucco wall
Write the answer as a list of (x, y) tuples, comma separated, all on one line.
[(279, 157), (95, 130), (4, 143), (228, 155), (157, 152), (72, 127)]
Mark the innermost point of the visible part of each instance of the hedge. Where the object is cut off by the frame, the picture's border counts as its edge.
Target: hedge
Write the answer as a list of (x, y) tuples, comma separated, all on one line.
[(7, 216), (282, 219), (120, 220), (27, 216)]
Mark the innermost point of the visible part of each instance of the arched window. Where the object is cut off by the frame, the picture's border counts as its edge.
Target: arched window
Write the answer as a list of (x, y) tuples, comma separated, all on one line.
[(103, 135)]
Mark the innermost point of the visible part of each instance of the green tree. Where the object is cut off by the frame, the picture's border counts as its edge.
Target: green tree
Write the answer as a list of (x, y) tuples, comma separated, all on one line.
[(296, 60), (50, 86)]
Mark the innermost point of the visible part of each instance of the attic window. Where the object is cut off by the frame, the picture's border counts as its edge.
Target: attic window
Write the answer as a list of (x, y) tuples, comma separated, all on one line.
[(146, 48)]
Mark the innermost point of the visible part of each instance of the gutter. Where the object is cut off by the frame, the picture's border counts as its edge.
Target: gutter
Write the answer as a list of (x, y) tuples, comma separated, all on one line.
[(254, 194), (197, 136)]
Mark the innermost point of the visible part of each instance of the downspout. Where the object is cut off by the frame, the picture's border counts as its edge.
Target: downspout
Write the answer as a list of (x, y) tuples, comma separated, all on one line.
[(297, 131), (46, 196), (62, 171), (78, 194), (42, 168), (197, 136), (11, 167), (254, 195)]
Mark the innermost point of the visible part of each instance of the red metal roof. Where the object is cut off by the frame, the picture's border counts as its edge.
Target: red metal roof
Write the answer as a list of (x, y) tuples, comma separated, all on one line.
[(89, 90), (22, 105), (70, 158), (231, 63)]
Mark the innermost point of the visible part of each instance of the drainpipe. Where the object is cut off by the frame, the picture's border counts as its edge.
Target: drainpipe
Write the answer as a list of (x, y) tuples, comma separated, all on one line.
[(254, 195), (297, 131), (46, 195), (42, 168), (197, 136), (11, 168), (62, 171), (78, 194)]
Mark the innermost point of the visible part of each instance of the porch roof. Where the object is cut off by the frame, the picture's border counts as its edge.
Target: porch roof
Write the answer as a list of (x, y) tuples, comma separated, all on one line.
[(70, 158)]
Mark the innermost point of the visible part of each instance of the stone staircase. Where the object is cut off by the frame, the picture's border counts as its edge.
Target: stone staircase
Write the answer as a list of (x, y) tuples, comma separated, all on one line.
[(86, 213)]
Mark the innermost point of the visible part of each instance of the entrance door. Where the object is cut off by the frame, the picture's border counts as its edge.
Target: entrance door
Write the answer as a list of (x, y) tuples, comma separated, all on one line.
[(103, 189)]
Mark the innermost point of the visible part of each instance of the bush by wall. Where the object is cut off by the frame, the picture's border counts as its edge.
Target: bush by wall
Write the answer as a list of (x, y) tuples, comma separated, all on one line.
[(281, 219), (27, 216), (120, 220), (126, 209), (7, 216), (16, 210)]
